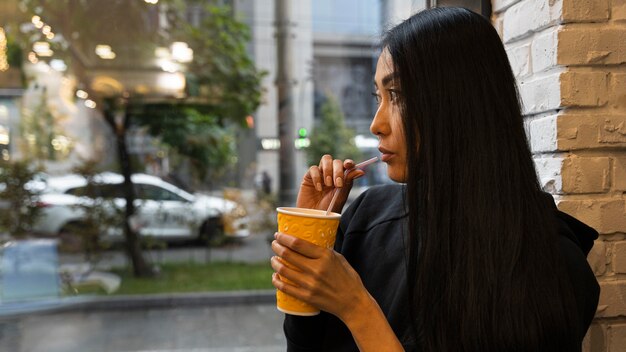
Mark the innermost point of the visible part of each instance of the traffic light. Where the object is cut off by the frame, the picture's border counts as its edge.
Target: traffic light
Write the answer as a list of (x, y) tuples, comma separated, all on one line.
[(302, 141)]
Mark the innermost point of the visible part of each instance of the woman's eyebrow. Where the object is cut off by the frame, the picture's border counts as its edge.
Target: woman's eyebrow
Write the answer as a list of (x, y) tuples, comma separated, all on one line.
[(387, 79)]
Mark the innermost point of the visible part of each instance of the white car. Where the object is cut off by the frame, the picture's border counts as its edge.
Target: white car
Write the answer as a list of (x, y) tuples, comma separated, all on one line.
[(163, 210)]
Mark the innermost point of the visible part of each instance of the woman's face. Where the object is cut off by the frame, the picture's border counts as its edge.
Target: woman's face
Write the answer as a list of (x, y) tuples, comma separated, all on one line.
[(387, 123)]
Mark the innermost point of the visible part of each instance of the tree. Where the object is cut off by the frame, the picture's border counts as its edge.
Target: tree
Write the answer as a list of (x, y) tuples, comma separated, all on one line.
[(223, 85), (331, 136), (224, 88), (19, 195)]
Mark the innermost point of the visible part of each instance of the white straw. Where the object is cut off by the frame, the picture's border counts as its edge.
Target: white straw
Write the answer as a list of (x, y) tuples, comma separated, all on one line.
[(345, 174)]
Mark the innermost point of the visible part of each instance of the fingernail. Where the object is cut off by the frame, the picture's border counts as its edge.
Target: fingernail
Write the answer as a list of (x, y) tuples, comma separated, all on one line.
[(339, 182), (318, 187), (275, 235), (329, 181)]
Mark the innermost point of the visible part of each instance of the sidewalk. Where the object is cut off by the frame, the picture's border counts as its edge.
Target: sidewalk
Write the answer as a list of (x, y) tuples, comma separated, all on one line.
[(240, 327)]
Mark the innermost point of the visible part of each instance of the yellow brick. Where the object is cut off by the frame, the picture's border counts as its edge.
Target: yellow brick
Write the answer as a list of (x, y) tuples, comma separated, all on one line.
[(586, 175), (618, 11), (590, 131), (595, 340), (617, 92), (619, 257), (597, 258), (612, 299), (583, 89), (607, 216), (584, 46), (619, 174), (585, 10), (617, 337)]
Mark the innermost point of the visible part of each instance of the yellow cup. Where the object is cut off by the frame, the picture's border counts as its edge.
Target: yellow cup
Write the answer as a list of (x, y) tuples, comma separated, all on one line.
[(313, 226)]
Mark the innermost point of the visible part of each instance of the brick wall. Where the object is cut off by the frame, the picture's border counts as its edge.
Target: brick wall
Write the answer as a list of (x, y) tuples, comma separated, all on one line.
[(570, 60)]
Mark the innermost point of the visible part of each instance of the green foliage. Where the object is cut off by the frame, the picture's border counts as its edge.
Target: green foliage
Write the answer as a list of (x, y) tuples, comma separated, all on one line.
[(223, 85), (14, 53), (191, 133), (331, 136), (18, 197), (222, 74)]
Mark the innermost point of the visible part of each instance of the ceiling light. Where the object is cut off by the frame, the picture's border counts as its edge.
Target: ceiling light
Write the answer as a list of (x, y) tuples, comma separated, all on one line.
[(102, 49), (58, 65), (181, 52), (151, 1), (171, 81), (109, 56), (42, 49), (105, 52), (82, 94), (50, 35), (169, 66), (90, 104), (46, 29), (36, 19)]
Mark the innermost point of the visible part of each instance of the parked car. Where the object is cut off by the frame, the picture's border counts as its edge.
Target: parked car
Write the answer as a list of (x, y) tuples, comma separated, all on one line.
[(164, 211)]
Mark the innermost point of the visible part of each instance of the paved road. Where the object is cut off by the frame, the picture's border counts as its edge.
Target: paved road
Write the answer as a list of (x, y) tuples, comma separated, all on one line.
[(242, 328)]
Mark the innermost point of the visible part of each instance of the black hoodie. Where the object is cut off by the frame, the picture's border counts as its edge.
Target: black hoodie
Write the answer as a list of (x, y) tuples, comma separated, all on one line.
[(369, 237)]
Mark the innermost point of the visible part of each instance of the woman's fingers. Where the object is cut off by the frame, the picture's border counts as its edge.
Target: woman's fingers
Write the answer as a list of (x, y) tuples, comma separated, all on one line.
[(326, 166), (290, 289), (353, 175), (286, 247), (316, 177), (338, 173), (289, 273)]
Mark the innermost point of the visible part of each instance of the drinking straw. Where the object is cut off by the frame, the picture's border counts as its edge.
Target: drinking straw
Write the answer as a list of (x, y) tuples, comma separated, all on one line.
[(345, 174)]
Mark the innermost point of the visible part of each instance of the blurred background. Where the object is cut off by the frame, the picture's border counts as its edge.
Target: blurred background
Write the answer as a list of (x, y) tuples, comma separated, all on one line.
[(144, 145)]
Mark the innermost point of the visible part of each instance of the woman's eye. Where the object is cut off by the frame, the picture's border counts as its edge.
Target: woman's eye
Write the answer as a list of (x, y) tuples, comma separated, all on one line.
[(376, 97), (393, 96)]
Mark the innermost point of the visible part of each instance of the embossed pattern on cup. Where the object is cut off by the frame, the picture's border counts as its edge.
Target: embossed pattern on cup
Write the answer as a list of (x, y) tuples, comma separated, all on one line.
[(313, 226)]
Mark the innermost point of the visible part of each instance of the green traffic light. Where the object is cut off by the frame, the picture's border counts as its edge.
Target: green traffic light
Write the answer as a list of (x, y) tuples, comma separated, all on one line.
[(302, 133)]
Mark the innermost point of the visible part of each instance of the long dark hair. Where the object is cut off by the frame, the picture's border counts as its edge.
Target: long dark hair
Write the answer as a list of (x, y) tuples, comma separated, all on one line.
[(484, 268)]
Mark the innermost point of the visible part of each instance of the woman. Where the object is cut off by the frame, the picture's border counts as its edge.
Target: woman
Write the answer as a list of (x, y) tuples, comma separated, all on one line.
[(469, 255)]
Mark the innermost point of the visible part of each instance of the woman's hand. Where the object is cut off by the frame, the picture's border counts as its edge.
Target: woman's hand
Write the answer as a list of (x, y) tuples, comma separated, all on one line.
[(318, 184), (318, 276)]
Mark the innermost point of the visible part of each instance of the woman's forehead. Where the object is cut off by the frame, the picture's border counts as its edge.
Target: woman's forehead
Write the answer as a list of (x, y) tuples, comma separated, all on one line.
[(384, 69)]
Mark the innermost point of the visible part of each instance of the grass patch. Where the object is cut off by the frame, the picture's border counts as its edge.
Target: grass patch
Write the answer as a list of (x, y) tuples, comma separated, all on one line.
[(194, 277)]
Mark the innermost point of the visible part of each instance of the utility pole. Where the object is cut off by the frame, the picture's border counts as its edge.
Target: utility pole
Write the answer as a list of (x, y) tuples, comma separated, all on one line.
[(284, 83)]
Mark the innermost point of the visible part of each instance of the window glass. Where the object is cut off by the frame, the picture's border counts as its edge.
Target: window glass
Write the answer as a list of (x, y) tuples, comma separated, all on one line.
[(152, 192), (185, 91)]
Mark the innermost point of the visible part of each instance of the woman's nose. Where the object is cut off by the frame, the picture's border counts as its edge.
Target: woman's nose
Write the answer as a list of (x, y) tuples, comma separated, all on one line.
[(380, 125)]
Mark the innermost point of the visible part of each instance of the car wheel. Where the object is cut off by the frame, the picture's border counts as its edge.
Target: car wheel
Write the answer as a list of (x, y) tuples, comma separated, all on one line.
[(211, 232)]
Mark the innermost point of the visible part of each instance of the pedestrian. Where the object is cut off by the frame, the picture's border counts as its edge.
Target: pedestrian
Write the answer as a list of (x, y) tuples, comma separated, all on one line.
[(465, 253), (266, 181)]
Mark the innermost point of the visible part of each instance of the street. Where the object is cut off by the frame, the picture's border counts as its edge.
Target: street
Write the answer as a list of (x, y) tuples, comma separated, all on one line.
[(199, 329), (211, 328)]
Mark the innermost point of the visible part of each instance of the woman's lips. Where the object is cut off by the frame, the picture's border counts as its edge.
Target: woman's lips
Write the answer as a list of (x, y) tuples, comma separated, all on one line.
[(386, 154)]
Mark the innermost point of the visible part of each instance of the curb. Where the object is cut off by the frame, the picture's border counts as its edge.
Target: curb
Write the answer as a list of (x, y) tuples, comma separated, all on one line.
[(126, 302)]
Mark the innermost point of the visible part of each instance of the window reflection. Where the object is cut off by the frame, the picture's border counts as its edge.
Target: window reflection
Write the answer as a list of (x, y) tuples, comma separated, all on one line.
[(183, 91)]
